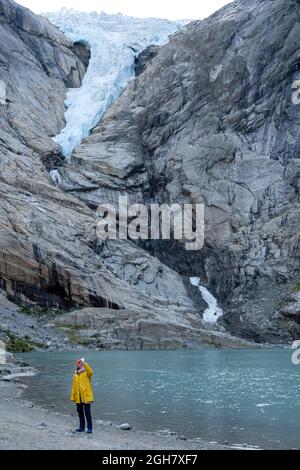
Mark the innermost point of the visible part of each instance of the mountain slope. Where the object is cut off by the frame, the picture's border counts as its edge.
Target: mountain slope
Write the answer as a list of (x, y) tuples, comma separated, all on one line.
[(211, 120), (49, 252)]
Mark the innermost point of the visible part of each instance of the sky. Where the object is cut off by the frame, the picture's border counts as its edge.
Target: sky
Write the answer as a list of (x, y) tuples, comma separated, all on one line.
[(171, 9)]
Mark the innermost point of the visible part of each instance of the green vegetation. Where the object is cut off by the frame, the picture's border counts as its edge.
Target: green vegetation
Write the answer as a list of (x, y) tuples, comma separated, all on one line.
[(296, 287), (214, 343), (34, 310), (12, 299), (16, 344), (217, 345), (40, 311), (71, 333)]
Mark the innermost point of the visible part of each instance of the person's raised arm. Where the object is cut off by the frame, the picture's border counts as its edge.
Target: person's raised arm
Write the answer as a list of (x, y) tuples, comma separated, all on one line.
[(88, 369)]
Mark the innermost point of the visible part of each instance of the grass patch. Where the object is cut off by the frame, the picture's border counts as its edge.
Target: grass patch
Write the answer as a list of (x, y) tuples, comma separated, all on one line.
[(12, 299), (45, 312), (16, 344), (296, 287), (72, 335), (35, 310), (217, 345)]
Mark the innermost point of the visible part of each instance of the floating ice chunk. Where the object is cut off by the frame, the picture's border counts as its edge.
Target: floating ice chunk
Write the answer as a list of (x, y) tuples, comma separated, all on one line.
[(213, 312), (115, 42)]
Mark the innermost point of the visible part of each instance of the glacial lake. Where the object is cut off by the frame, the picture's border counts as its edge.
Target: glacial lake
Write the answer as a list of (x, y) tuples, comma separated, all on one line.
[(239, 396)]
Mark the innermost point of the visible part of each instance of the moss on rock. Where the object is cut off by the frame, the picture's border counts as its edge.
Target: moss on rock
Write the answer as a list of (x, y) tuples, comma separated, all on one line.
[(17, 344)]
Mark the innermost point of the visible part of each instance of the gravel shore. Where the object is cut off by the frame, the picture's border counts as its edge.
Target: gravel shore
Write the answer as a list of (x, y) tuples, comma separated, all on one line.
[(25, 425)]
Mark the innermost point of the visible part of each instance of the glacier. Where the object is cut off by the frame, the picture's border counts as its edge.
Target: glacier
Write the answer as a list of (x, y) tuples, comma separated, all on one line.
[(213, 312), (115, 41)]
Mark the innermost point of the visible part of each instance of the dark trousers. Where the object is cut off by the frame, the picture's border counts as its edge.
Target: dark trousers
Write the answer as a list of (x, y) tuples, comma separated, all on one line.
[(84, 413)]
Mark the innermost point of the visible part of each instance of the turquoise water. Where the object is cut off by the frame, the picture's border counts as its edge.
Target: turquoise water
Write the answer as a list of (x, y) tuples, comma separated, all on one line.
[(241, 397)]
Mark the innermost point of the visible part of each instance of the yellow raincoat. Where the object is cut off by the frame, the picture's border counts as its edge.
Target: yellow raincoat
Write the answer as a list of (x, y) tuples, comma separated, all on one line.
[(82, 391)]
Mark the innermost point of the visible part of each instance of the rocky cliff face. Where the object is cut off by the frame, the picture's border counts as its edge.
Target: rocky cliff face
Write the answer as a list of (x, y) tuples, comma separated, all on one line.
[(49, 254), (211, 120), (144, 58)]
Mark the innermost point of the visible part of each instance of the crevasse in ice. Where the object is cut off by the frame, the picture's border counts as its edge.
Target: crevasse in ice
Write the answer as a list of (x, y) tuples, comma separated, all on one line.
[(213, 312), (115, 41)]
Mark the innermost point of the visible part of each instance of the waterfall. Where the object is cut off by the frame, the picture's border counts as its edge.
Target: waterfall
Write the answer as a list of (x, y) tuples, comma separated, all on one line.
[(213, 312)]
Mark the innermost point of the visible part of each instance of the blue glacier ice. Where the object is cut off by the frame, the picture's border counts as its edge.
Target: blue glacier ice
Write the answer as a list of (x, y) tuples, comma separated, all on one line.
[(115, 41)]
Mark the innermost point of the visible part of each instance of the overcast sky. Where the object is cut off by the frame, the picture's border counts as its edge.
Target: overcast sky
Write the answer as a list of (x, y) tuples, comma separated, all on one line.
[(172, 9)]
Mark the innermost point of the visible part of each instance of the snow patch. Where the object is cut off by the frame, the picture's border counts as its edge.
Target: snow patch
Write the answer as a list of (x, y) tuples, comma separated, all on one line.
[(56, 178), (115, 42), (2, 353), (213, 312), (2, 92), (195, 281), (215, 72)]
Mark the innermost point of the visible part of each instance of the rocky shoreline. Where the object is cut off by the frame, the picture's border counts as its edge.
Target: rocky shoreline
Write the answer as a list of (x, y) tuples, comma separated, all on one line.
[(27, 426)]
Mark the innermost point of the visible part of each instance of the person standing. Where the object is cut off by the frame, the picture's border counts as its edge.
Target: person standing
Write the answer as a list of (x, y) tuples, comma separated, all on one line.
[(82, 394)]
